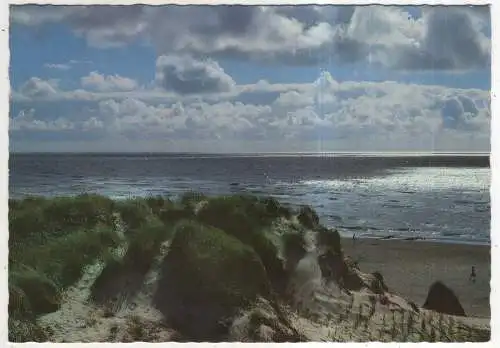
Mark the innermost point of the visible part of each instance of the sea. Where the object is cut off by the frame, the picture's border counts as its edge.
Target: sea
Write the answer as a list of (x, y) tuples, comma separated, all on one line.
[(441, 198)]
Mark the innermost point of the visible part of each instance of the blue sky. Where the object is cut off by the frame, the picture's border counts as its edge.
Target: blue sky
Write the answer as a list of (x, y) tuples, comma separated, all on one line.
[(249, 79)]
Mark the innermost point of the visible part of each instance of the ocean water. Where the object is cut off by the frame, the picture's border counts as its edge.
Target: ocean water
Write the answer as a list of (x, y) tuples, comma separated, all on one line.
[(443, 198)]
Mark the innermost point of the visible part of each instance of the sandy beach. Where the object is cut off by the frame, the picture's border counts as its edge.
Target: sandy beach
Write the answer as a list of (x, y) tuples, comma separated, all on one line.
[(410, 267)]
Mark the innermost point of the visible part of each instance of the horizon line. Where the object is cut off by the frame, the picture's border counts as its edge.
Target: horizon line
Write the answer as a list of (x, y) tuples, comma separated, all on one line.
[(308, 153)]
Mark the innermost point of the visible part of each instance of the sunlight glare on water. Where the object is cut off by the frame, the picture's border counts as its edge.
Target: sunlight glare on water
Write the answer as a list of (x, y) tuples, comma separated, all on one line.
[(417, 179)]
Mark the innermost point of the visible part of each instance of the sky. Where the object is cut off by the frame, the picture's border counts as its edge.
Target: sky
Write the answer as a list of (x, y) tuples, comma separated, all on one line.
[(250, 78)]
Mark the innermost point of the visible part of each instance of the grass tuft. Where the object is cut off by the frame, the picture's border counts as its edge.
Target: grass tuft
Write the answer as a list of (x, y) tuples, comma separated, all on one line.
[(134, 212), (308, 217), (145, 242)]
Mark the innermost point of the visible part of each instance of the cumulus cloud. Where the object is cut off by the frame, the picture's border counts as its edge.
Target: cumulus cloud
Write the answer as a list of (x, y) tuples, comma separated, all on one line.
[(184, 75), (101, 26), (100, 87), (38, 88), (349, 116), (453, 38), (26, 120), (136, 119), (238, 32), (362, 109), (461, 112), (447, 38), (92, 123), (197, 120), (108, 83)]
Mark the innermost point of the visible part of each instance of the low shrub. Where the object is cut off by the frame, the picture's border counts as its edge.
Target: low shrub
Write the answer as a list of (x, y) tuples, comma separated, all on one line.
[(86, 210), (329, 239), (308, 217), (275, 209), (237, 215), (31, 292), (26, 226), (35, 220), (134, 212), (191, 198), (174, 214), (18, 300), (158, 203), (145, 242), (207, 276), (246, 218), (63, 258)]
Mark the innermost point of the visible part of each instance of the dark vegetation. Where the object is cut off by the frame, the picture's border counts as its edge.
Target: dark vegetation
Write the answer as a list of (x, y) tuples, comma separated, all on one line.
[(308, 217), (232, 251), (220, 275), (53, 240), (245, 217), (50, 243)]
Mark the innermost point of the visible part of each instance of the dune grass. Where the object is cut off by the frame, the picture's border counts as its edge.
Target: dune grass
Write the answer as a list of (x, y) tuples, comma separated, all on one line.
[(191, 198), (205, 278), (52, 240), (50, 243), (145, 242), (31, 292), (134, 212), (35, 220), (308, 217), (39, 275), (329, 239), (247, 218)]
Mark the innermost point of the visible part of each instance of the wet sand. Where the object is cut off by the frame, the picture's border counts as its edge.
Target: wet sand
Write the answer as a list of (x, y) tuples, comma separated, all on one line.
[(410, 267)]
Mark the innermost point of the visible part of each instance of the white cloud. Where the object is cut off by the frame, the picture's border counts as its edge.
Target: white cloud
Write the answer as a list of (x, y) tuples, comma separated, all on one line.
[(33, 15), (66, 66), (38, 88), (92, 123), (108, 83), (57, 66), (184, 75), (26, 120), (348, 116), (102, 26), (451, 38), (293, 99), (76, 61), (203, 80)]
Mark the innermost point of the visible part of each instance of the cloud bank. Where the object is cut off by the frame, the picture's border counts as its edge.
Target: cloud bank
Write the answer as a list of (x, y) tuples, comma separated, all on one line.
[(443, 38), (365, 116)]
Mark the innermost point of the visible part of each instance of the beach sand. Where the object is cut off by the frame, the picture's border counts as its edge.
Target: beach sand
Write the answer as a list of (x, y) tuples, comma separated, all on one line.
[(410, 267)]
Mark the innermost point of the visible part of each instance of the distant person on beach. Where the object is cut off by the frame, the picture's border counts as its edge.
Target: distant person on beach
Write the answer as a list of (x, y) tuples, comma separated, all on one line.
[(472, 277), (353, 238)]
